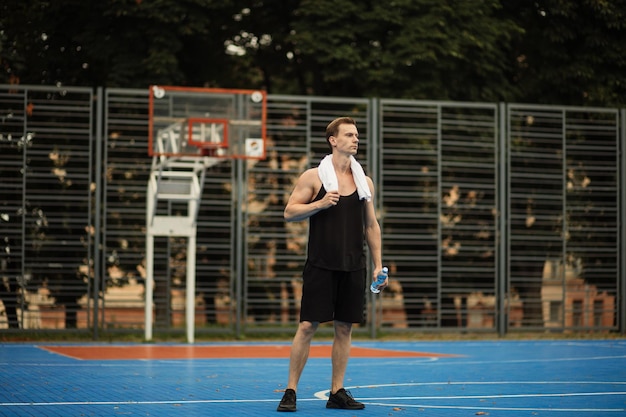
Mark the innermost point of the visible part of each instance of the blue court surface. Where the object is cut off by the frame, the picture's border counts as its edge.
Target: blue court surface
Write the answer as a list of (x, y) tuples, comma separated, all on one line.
[(436, 378)]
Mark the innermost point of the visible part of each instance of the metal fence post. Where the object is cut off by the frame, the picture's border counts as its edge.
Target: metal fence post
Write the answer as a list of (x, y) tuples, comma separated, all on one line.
[(502, 213), (621, 183), (98, 235)]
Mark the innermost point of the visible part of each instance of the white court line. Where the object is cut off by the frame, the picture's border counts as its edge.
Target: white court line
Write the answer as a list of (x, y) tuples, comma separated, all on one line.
[(455, 407), (368, 400), (410, 384), (425, 406), (404, 362), (163, 402), (323, 395), (480, 397), (453, 362)]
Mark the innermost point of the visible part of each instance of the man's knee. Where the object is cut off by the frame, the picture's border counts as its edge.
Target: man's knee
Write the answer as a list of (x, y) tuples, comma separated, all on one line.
[(307, 328), (343, 329)]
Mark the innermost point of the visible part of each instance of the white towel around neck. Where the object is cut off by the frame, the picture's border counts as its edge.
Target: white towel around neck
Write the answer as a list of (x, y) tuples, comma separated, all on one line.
[(326, 172)]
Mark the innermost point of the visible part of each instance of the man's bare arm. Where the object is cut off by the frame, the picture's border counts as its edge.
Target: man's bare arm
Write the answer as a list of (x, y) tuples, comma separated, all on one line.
[(300, 207), (373, 235)]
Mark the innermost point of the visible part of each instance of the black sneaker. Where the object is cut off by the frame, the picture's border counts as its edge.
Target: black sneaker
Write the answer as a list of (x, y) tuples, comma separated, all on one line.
[(344, 400), (288, 403)]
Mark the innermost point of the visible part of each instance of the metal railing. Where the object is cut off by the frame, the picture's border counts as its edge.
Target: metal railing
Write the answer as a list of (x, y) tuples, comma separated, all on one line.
[(495, 217)]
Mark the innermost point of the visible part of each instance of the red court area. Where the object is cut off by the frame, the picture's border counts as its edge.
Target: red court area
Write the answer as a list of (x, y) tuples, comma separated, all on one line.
[(156, 352)]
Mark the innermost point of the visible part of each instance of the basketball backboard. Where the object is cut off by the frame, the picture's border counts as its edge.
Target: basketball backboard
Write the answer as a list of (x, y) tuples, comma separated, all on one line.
[(223, 123)]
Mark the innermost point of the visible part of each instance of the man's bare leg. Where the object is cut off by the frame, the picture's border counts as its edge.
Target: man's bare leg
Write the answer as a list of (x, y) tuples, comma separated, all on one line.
[(299, 355), (340, 353)]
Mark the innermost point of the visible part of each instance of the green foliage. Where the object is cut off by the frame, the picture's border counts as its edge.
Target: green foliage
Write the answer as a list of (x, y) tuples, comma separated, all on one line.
[(546, 51), (573, 52)]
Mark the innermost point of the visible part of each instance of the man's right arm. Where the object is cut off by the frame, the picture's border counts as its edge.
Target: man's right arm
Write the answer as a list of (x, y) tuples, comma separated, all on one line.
[(299, 206)]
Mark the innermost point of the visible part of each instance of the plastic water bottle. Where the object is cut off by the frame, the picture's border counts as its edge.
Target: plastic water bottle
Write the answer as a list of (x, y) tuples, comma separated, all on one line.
[(382, 276)]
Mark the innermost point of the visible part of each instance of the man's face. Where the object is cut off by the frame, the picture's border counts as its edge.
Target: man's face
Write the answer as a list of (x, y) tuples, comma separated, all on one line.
[(347, 139)]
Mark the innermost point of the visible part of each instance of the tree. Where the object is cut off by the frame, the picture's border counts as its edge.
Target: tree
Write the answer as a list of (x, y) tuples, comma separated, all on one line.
[(572, 53), (547, 51), (413, 49), (119, 43)]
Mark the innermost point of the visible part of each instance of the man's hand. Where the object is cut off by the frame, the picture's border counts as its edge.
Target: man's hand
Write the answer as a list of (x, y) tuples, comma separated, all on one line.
[(330, 199)]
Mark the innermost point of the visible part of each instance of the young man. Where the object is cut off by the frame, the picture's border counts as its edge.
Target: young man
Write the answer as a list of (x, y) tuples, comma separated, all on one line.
[(336, 197)]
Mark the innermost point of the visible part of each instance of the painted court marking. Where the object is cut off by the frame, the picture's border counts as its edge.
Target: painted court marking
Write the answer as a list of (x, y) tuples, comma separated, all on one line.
[(400, 402), (156, 352), (589, 381)]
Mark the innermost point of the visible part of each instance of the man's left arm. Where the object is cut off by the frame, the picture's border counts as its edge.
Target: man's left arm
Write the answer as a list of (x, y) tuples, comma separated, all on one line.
[(372, 232)]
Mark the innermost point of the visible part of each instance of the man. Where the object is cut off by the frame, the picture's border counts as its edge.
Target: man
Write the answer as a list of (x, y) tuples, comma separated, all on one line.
[(336, 197)]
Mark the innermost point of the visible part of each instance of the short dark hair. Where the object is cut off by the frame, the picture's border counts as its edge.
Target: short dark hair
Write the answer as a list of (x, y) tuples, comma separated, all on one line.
[(333, 128)]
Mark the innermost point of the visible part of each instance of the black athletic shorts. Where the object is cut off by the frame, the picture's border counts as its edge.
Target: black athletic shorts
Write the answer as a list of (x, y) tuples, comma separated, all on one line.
[(332, 295)]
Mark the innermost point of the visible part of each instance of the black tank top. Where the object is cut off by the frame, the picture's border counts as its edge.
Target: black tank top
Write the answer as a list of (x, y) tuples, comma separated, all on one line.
[(336, 235)]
